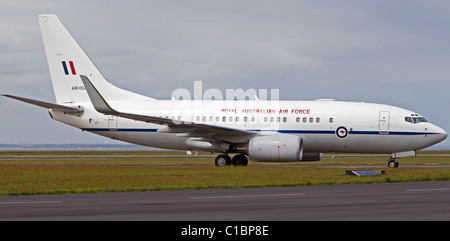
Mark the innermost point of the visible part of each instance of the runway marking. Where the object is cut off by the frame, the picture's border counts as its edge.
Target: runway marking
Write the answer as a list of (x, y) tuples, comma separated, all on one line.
[(37, 202), (430, 189), (250, 196)]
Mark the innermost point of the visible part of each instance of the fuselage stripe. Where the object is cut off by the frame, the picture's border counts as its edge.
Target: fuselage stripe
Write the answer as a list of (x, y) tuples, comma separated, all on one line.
[(120, 129), (401, 133)]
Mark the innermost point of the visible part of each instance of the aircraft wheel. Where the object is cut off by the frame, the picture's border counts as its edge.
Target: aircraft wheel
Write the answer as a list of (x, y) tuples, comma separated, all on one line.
[(239, 160), (393, 163), (222, 160)]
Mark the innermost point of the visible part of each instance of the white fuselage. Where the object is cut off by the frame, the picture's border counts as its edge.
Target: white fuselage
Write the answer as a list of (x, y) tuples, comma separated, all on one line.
[(325, 126)]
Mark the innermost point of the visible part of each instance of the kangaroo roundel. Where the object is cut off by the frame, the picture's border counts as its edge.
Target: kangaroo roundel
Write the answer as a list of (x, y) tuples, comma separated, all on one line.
[(341, 132)]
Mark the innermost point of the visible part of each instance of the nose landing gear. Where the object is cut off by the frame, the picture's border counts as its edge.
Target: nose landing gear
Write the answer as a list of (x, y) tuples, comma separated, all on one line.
[(393, 163)]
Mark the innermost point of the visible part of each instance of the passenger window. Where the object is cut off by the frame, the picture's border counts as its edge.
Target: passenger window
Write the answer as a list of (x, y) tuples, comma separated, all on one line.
[(297, 119), (284, 119), (265, 119), (331, 120), (253, 119), (231, 119), (311, 120), (318, 119), (245, 118), (304, 119), (224, 119), (271, 119)]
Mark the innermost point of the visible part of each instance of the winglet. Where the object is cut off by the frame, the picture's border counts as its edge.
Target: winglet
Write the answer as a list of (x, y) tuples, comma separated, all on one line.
[(97, 99)]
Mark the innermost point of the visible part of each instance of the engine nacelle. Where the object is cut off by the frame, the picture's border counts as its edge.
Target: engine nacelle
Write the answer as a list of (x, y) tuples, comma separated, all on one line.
[(276, 148)]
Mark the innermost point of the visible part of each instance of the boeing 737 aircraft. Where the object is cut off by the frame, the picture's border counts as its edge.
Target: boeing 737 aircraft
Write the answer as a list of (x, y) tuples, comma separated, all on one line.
[(262, 130)]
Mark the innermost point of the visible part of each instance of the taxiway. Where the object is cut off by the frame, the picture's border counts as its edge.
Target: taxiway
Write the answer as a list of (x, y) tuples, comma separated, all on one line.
[(388, 201)]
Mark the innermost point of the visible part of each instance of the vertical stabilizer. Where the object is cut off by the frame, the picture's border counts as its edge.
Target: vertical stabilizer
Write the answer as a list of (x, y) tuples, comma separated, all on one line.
[(67, 61)]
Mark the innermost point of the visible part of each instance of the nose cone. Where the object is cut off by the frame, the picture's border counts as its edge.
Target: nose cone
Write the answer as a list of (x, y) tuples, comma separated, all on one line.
[(443, 136), (438, 133)]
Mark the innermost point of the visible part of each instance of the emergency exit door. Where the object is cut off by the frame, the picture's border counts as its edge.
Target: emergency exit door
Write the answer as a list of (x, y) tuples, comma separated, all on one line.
[(383, 124)]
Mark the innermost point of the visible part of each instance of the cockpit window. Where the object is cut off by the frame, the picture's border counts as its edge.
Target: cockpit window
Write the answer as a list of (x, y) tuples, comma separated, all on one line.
[(409, 119), (422, 119), (415, 120)]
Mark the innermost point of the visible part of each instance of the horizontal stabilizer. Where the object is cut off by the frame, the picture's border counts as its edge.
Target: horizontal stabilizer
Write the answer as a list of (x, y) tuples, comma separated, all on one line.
[(47, 104)]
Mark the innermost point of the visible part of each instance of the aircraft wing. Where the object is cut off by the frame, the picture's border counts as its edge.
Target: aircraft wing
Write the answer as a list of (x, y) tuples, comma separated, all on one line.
[(102, 106), (46, 104)]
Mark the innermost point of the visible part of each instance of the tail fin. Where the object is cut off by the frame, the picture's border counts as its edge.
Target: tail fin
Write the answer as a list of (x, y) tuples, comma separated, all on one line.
[(67, 61)]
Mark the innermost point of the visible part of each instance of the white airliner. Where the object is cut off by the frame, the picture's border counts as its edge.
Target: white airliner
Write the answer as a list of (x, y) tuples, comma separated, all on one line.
[(272, 131)]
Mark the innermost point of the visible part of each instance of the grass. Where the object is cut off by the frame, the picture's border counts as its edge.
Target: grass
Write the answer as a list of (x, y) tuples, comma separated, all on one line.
[(81, 175)]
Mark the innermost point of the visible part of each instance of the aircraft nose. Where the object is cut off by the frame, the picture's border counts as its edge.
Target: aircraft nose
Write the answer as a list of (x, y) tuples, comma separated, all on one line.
[(440, 133), (444, 135)]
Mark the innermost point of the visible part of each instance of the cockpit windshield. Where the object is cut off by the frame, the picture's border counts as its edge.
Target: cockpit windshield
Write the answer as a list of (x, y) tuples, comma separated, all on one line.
[(415, 118)]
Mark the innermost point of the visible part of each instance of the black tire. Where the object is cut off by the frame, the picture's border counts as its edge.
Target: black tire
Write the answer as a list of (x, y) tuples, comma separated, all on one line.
[(393, 164), (222, 160), (245, 161), (240, 160)]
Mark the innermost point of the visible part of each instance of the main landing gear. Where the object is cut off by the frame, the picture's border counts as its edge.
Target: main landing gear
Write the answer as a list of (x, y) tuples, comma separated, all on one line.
[(393, 163), (225, 160)]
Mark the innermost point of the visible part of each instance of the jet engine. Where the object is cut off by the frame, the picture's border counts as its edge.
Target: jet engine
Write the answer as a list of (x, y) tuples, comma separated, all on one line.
[(276, 148)]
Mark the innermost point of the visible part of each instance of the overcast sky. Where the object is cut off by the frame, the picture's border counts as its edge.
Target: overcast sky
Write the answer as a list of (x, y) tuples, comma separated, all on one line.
[(391, 52)]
